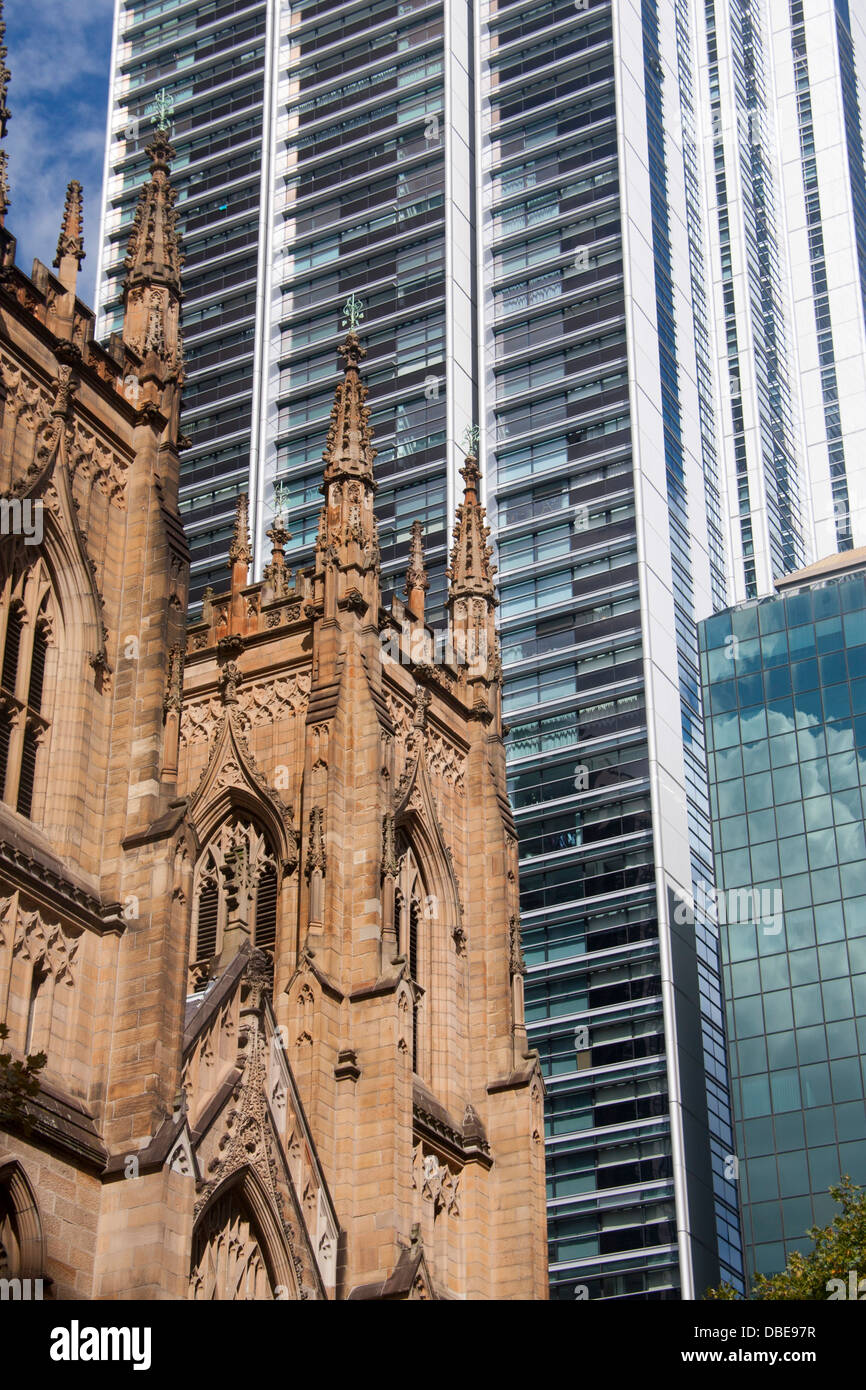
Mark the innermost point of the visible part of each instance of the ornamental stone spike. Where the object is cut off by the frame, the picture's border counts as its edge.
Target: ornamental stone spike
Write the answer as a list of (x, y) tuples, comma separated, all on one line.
[(70, 244), (417, 582)]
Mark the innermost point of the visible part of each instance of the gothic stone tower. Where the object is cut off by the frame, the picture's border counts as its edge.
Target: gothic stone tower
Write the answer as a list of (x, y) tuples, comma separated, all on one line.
[(258, 895), (320, 726)]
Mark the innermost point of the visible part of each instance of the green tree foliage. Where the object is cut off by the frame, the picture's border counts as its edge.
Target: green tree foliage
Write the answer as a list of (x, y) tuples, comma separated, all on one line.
[(19, 1081), (824, 1274)]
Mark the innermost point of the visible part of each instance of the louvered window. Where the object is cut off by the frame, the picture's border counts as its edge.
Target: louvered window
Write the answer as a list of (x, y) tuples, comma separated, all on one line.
[(11, 650), (266, 910), (37, 670), (24, 804), (5, 735), (208, 911)]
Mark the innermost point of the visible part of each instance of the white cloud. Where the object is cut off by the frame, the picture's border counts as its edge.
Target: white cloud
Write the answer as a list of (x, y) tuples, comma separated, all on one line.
[(59, 55)]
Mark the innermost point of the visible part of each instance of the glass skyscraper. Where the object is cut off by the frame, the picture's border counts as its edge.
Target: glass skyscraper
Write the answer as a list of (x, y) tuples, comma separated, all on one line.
[(821, 85), (561, 234), (598, 411), (785, 687), (212, 62)]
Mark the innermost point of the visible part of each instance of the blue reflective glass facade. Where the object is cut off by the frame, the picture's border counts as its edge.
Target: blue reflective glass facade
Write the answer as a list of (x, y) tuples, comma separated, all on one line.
[(785, 684)]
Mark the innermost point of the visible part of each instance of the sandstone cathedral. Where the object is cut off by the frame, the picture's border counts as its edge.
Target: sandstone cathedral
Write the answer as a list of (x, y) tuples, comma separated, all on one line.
[(258, 871)]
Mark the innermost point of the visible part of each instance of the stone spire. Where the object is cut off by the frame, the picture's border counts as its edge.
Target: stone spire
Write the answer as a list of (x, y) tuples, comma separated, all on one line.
[(417, 582), (240, 558), (347, 525), (152, 287), (471, 599), (349, 451), (347, 546), (4, 119), (239, 550), (470, 572), (153, 255), (70, 246), (5, 74)]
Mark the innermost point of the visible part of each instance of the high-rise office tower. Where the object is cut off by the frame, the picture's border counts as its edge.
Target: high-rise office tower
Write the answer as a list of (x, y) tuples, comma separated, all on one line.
[(599, 412), (209, 62), (323, 151), (820, 76), (562, 232), (785, 694)]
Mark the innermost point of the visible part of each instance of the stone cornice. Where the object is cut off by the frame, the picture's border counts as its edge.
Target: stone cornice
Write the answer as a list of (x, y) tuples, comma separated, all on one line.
[(48, 882)]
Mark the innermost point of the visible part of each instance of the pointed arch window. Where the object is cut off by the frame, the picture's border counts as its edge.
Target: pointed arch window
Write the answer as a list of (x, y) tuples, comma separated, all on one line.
[(21, 1242), (28, 622), (231, 1258), (236, 892)]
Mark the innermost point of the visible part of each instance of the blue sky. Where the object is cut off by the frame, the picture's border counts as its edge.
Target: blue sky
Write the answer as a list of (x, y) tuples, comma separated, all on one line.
[(59, 57)]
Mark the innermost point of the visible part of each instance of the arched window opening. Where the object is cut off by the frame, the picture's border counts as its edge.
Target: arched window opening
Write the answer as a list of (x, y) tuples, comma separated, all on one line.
[(229, 1262), (235, 898), (10, 1245), (21, 1244), (28, 598), (36, 1010)]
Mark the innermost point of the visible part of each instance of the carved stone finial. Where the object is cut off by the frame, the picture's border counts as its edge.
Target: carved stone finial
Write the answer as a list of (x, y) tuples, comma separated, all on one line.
[(173, 699), (230, 678), (417, 582), (390, 863), (4, 186), (516, 962), (276, 572), (316, 845), (71, 240), (470, 572), (4, 75), (152, 290), (239, 550), (349, 451), (153, 255), (421, 705)]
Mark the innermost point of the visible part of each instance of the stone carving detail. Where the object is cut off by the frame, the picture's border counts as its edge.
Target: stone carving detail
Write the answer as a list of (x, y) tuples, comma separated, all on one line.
[(230, 678), (200, 721), (401, 715), (316, 845), (516, 962), (390, 864), (256, 705), (90, 458), (436, 1181), (280, 699), (43, 943), (27, 401), (247, 1139), (174, 682), (444, 760)]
